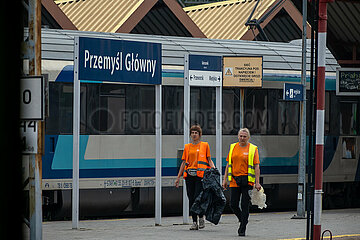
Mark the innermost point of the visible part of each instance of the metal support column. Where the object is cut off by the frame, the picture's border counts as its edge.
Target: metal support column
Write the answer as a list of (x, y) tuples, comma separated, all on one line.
[(76, 141), (320, 119), (219, 129), (34, 49), (158, 144), (302, 150), (186, 131)]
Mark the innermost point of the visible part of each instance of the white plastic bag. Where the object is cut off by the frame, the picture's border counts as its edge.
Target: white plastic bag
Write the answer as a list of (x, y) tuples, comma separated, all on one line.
[(258, 198)]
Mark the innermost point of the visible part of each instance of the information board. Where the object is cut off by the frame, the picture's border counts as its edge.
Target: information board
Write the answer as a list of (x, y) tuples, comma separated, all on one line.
[(242, 71), (348, 81)]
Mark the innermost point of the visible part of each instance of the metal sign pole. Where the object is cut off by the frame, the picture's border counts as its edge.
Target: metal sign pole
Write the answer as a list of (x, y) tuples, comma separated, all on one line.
[(158, 155), (219, 129), (302, 151), (76, 140), (186, 131)]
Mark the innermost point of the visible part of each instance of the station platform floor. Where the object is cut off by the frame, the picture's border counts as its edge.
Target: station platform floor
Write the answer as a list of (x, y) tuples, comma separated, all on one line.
[(344, 224)]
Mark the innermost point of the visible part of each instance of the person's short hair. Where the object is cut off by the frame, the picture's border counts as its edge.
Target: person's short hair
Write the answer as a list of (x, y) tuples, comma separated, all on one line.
[(197, 128), (244, 130)]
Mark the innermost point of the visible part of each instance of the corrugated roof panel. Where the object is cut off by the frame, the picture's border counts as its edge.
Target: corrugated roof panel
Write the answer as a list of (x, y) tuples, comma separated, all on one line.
[(59, 45), (98, 15), (226, 20)]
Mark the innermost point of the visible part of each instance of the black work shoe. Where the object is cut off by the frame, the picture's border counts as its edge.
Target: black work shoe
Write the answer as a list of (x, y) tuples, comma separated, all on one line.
[(194, 226), (241, 231)]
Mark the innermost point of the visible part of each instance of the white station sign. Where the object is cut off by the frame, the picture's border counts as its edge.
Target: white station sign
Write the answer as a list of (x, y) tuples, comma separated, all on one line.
[(32, 98)]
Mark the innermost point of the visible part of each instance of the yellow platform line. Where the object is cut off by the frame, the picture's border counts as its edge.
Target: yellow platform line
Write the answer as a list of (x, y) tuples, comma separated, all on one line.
[(334, 236)]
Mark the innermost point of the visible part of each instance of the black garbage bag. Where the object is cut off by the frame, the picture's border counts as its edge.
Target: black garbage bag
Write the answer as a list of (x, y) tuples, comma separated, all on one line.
[(211, 201)]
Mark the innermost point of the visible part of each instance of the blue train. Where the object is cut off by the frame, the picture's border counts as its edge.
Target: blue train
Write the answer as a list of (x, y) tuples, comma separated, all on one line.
[(117, 126)]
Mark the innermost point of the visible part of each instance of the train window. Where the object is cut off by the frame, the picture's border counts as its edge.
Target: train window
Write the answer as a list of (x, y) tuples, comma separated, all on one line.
[(60, 120), (264, 112), (349, 145), (272, 112), (202, 108), (139, 115), (349, 118), (110, 111), (288, 116), (52, 122), (334, 113), (65, 109), (231, 111), (256, 111), (121, 109), (172, 110)]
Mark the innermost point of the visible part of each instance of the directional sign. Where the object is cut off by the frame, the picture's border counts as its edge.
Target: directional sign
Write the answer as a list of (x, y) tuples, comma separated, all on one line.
[(293, 92), (205, 70), (32, 98)]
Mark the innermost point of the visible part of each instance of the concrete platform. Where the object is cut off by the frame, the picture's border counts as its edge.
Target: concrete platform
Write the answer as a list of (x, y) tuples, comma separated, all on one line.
[(344, 224)]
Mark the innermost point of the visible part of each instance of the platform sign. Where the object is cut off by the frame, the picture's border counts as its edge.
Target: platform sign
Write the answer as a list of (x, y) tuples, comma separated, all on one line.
[(99, 60), (348, 81), (32, 98), (119, 61), (29, 137), (293, 92), (205, 71), (243, 71)]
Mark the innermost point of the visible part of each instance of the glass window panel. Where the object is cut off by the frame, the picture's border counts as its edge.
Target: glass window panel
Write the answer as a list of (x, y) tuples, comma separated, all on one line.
[(52, 122), (172, 110), (202, 108), (288, 118), (65, 109), (256, 115), (230, 116), (348, 118)]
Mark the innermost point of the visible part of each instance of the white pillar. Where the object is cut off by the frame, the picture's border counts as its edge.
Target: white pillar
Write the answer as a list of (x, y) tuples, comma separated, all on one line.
[(219, 129), (76, 140), (158, 155), (186, 131)]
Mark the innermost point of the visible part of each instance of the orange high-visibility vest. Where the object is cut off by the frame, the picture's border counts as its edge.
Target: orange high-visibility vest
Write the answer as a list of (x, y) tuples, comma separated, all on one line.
[(202, 161)]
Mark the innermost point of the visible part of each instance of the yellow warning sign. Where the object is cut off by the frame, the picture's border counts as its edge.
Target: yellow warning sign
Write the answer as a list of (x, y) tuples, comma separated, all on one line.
[(243, 71), (229, 71)]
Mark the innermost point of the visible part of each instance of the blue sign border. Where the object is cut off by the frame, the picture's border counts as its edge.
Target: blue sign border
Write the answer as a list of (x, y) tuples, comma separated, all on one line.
[(119, 61)]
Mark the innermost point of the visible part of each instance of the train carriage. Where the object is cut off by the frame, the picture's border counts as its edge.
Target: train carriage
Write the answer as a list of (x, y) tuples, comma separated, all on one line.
[(117, 127)]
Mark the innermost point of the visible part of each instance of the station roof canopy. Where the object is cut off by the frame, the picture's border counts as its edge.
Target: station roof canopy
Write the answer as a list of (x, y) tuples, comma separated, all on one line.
[(58, 45), (157, 17), (226, 20), (343, 31)]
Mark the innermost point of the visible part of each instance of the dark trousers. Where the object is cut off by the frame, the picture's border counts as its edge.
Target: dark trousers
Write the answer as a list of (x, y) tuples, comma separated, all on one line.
[(243, 213), (193, 189)]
